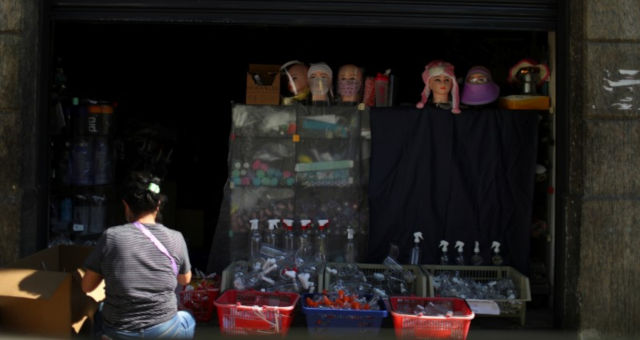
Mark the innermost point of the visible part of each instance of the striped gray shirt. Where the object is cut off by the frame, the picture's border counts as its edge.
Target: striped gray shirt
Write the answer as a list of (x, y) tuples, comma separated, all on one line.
[(139, 281)]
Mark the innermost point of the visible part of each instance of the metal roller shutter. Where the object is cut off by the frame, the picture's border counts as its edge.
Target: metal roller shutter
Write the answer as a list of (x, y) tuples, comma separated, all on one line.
[(531, 15)]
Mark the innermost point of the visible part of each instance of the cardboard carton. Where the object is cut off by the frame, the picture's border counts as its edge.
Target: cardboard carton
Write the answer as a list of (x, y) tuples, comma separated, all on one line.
[(41, 294), (267, 90)]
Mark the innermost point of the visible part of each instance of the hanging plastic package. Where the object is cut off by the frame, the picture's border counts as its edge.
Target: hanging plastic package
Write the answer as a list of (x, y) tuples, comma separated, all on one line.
[(99, 118), (102, 165), (79, 117), (82, 161), (81, 214), (98, 212)]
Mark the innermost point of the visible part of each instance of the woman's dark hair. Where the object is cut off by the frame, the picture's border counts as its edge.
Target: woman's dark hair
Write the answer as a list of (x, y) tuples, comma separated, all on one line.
[(142, 193)]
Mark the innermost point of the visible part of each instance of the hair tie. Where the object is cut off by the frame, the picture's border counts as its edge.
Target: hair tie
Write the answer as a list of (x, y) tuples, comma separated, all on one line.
[(154, 188)]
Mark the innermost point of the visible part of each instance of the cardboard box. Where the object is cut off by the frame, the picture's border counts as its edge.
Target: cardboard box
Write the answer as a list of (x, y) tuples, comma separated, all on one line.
[(38, 294), (267, 91)]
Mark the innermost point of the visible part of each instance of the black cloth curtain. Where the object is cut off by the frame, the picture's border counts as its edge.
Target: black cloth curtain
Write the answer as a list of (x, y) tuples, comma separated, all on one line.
[(467, 177)]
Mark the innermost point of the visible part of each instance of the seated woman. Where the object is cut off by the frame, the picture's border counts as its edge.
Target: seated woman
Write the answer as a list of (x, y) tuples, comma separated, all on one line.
[(141, 262)]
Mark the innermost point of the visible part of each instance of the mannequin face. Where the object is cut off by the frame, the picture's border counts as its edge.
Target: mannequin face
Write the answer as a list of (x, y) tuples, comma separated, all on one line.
[(319, 83), (349, 83), (440, 87), (477, 78), (298, 81)]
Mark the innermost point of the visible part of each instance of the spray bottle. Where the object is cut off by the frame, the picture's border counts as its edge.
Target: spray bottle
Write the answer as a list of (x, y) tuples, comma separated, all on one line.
[(416, 251), (350, 248), (305, 246), (496, 259), (476, 259), (271, 236), (254, 240), (460, 257), (444, 258), (289, 236), (321, 241)]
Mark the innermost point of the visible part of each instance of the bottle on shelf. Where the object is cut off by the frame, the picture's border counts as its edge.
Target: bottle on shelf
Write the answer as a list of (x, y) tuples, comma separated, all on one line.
[(416, 251), (255, 240), (496, 259), (350, 247), (476, 259), (460, 258), (444, 258), (321, 241), (305, 247), (271, 236), (289, 236)]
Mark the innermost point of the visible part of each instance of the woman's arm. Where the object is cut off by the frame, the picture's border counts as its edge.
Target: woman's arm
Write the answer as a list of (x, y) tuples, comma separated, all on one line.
[(90, 281), (185, 278)]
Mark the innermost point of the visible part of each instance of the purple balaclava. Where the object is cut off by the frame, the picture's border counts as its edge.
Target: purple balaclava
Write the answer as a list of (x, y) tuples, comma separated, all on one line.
[(480, 91)]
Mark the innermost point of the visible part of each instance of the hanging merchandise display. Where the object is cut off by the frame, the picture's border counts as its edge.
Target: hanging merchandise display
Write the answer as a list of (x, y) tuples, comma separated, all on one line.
[(82, 172), (293, 163)]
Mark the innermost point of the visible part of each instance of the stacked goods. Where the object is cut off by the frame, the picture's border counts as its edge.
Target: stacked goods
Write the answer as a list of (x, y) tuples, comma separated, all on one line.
[(339, 313)]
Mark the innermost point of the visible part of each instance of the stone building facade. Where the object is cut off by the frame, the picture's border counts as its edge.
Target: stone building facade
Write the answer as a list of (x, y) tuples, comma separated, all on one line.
[(598, 201)]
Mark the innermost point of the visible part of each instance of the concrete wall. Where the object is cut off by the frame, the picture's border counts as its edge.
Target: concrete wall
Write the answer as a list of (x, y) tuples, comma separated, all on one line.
[(604, 206), (19, 27)]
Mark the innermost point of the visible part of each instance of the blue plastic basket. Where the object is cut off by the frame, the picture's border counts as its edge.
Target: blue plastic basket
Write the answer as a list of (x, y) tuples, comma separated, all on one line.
[(342, 321)]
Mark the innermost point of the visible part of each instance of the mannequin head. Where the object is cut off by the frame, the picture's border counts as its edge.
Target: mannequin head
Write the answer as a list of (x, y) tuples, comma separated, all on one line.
[(479, 88), (296, 75), (440, 79), (320, 78), (349, 83), (440, 87)]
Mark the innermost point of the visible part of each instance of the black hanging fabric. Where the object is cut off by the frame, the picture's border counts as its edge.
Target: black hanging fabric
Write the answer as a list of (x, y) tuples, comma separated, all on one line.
[(466, 177)]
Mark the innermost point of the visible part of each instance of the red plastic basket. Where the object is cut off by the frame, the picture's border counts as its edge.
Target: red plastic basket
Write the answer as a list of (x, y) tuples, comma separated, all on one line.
[(409, 325), (199, 302), (255, 313)]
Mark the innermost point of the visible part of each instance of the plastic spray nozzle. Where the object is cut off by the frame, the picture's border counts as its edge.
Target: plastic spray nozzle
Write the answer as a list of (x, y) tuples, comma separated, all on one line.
[(305, 224), (323, 224), (459, 245), (476, 249), (443, 245), (417, 236), (273, 223), (350, 233), (495, 245), (288, 223), (254, 224)]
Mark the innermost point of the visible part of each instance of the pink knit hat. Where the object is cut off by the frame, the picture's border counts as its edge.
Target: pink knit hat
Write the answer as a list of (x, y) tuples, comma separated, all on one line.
[(436, 68)]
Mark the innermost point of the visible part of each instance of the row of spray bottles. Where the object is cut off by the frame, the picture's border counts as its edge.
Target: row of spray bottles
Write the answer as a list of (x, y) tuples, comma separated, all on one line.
[(304, 245), (476, 259)]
